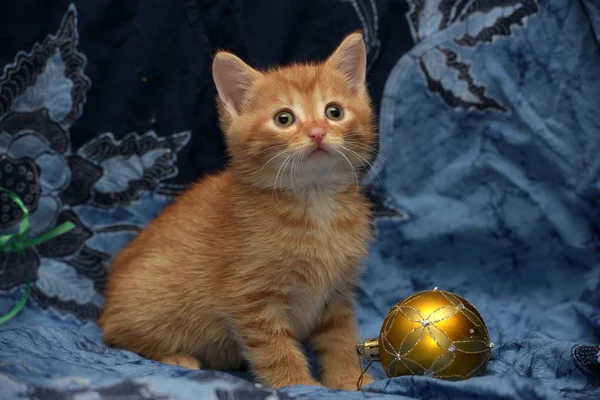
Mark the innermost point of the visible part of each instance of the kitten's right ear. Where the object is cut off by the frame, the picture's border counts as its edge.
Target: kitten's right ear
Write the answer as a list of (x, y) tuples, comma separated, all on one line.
[(233, 79)]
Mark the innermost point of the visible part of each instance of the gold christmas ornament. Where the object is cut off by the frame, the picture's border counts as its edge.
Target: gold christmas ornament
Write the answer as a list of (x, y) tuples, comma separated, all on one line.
[(432, 333)]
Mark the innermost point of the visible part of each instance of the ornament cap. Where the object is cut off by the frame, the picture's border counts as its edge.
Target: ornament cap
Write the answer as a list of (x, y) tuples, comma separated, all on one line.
[(369, 349)]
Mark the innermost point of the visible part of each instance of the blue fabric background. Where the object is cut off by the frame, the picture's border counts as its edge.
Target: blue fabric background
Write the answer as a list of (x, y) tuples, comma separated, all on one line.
[(487, 182)]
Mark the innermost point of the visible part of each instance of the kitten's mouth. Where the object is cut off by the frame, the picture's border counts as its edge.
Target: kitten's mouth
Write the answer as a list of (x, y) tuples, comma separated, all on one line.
[(318, 152)]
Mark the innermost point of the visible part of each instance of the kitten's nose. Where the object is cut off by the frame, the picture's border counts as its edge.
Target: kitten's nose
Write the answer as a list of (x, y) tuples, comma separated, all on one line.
[(317, 134)]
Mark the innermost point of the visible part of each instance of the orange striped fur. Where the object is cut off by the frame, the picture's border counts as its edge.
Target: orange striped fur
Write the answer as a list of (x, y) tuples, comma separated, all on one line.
[(249, 263)]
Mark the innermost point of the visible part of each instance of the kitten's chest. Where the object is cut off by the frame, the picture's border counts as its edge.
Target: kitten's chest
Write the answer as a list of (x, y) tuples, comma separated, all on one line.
[(327, 264), (317, 249), (326, 247), (304, 311), (330, 250)]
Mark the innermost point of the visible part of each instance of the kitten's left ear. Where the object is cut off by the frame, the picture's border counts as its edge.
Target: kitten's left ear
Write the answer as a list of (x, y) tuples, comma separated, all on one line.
[(350, 58)]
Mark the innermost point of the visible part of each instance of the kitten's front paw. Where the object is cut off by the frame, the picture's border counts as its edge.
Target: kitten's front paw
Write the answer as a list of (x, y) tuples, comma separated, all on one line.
[(311, 382), (367, 379), (307, 382), (349, 383), (182, 360)]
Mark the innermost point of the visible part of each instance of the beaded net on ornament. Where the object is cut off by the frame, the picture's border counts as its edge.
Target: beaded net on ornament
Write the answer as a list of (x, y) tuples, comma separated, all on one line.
[(475, 344)]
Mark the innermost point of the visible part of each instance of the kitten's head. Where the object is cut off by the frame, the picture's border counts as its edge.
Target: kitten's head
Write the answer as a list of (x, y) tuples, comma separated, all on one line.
[(299, 126)]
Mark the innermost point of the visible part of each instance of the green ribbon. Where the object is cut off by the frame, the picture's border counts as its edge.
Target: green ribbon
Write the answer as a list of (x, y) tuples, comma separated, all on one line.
[(18, 242)]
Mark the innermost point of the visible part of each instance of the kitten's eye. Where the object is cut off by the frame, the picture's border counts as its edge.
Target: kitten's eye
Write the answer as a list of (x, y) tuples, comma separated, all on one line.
[(284, 119), (334, 112)]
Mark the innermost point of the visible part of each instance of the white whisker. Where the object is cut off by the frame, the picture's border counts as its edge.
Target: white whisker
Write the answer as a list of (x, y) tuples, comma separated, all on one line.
[(370, 167), (272, 158), (292, 162), (363, 146), (281, 168), (295, 168), (352, 167)]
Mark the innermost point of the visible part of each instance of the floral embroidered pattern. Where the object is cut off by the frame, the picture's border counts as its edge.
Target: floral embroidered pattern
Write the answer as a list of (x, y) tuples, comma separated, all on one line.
[(41, 94), (587, 359), (366, 11), (442, 68)]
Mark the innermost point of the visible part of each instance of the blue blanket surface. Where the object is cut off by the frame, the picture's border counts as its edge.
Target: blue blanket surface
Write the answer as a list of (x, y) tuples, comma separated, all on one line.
[(487, 181)]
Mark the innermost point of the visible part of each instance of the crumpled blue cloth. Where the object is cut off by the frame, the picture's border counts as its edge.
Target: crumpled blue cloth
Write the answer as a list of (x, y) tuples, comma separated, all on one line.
[(487, 184)]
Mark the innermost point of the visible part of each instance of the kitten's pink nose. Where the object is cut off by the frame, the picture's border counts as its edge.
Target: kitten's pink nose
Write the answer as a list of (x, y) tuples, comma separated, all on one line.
[(317, 134)]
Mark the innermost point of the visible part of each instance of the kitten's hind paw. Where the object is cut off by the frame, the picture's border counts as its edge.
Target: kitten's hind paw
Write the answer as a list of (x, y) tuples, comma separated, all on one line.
[(181, 359)]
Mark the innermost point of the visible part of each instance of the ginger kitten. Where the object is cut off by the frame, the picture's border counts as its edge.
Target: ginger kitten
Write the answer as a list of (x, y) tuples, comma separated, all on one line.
[(249, 263)]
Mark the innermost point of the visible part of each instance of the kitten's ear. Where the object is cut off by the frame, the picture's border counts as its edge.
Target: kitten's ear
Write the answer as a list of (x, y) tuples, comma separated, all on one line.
[(351, 59), (233, 79)]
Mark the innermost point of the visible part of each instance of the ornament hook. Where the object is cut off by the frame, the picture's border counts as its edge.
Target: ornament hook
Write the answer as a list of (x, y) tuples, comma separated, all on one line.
[(369, 350)]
